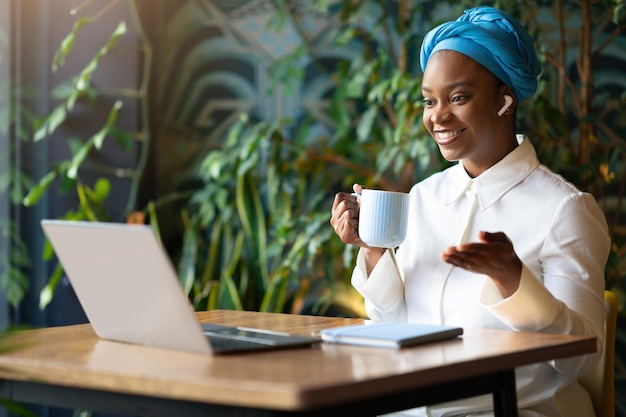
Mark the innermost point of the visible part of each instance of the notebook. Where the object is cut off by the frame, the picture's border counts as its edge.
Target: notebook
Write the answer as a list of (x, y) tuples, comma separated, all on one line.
[(389, 334), (130, 292)]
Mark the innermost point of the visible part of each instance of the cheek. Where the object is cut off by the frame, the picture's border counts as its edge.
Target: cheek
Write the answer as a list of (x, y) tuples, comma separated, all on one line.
[(426, 120), (478, 117)]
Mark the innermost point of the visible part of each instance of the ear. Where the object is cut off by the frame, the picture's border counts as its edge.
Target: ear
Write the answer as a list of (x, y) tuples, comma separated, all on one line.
[(508, 101)]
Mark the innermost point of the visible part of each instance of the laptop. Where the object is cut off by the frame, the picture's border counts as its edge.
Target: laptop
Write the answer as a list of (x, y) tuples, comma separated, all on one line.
[(130, 292)]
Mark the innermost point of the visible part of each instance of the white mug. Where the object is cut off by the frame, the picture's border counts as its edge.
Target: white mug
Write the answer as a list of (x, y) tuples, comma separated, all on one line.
[(383, 217)]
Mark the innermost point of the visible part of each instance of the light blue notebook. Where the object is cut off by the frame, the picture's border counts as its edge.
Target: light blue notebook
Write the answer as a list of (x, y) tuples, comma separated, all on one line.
[(389, 334)]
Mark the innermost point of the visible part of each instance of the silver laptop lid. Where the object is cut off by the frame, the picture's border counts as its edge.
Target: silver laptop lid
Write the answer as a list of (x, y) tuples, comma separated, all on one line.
[(126, 284)]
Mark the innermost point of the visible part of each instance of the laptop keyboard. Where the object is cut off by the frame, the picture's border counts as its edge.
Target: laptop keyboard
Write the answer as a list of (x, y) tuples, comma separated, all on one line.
[(226, 339), (221, 344)]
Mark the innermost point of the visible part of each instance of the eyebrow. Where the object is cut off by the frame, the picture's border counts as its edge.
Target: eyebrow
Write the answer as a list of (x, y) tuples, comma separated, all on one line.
[(453, 85)]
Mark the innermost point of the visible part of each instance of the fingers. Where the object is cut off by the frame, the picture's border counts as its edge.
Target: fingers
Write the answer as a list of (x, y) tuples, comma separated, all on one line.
[(343, 202), (466, 257), (357, 188), (339, 198), (494, 237), (345, 218), (493, 255)]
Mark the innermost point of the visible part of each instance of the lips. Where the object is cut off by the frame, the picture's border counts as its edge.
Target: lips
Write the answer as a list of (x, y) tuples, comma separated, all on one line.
[(445, 137)]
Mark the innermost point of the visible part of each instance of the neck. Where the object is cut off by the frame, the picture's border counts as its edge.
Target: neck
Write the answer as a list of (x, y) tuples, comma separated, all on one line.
[(475, 168)]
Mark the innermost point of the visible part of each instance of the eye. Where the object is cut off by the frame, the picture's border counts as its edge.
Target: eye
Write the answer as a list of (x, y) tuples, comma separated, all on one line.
[(458, 98), (427, 101)]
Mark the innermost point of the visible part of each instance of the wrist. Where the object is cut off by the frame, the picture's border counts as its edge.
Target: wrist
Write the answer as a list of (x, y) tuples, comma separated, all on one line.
[(371, 257)]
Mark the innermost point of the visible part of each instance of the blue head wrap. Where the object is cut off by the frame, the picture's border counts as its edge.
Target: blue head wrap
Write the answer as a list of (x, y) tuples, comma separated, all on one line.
[(493, 39)]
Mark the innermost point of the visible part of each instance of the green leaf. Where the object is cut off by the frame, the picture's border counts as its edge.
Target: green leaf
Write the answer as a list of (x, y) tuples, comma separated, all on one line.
[(122, 138), (102, 188), (67, 183), (322, 6), (48, 124), (339, 112), (16, 409), (67, 44), (276, 295), (85, 205), (278, 19), (78, 159), (234, 255), (250, 209), (98, 138), (228, 290), (229, 294), (16, 286), (83, 79), (346, 36), (95, 141), (213, 291), (618, 11), (213, 165), (48, 251), (63, 91), (37, 191), (187, 264), (378, 92), (211, 264), (75, 144), (46, 294), (365, 124)]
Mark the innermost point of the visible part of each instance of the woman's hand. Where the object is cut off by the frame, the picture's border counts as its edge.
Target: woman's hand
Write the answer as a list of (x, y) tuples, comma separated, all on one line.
[(345, 217), (493, 256), (345, 221)]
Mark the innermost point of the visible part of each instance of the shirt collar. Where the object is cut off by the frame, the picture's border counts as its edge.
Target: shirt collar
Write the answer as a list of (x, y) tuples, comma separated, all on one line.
[(497, 180)]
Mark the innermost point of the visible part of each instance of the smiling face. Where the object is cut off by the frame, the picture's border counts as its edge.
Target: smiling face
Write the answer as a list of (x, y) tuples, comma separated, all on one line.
[(461, 102)]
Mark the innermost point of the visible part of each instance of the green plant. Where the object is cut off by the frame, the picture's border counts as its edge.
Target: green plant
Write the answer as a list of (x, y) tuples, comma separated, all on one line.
[(80, 91), (256, 232), (576, 121), (8, 344), (377, 139), (257, 221), (14, 122), (257, 225)]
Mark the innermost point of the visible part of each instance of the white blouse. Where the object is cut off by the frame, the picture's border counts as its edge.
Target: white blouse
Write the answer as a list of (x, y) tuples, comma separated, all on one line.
[(558, 232)]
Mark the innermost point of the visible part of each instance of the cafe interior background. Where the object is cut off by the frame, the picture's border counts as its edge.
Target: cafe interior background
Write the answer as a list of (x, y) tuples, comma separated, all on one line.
[(230, 125)]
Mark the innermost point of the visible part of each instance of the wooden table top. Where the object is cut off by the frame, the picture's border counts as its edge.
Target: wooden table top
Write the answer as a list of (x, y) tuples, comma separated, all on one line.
[(293, 379)]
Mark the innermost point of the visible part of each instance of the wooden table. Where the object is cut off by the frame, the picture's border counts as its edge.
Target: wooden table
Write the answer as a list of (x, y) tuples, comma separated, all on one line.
[(70, 367)]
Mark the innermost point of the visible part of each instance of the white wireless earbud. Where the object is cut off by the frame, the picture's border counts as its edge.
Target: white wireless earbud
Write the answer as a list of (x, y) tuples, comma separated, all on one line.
[(508, 100)]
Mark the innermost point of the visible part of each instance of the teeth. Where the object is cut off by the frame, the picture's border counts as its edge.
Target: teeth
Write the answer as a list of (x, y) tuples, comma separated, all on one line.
[(448, 134)]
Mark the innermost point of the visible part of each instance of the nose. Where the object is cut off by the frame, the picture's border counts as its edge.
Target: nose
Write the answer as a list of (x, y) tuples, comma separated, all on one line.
[(439, 113)]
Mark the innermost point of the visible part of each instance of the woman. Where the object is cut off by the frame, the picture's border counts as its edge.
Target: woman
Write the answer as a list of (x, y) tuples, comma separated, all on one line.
[(497, 240)]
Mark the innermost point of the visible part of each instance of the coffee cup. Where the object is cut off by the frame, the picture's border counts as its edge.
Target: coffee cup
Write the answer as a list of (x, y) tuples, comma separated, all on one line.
[(383, 217)]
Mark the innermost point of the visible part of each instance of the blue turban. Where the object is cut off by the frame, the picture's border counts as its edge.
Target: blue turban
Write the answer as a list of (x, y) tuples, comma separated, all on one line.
[(493, 39)]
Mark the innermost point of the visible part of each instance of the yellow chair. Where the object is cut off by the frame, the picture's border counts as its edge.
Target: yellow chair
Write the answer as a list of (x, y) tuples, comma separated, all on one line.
[(600, 383)]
